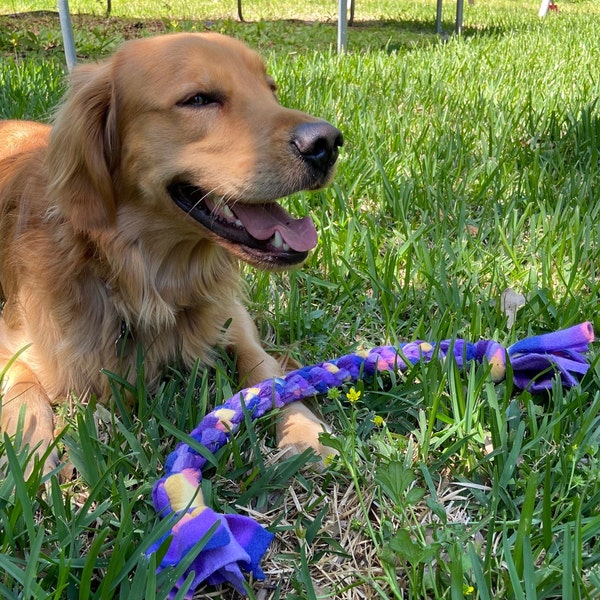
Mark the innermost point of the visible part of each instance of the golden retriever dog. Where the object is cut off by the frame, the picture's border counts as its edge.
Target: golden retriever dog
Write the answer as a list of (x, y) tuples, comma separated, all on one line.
[(126, 220)]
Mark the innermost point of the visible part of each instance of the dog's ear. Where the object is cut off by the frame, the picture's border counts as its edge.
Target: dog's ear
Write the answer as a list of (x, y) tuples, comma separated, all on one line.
[(83, 147)]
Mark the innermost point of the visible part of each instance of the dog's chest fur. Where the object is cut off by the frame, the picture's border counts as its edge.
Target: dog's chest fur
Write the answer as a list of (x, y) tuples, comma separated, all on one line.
[(168, 299)]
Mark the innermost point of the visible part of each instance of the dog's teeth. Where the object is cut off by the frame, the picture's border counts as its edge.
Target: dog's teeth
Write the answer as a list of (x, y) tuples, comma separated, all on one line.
[(239, 224), (227, 212), (286, 247), (277, 240)]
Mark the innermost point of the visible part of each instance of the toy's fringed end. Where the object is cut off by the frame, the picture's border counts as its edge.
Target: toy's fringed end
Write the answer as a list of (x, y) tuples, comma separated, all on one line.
[(234, 543), (539, 359)]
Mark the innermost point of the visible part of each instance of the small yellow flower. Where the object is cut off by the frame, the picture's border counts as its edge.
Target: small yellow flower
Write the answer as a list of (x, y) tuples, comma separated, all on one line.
[(329, 459), (353, 395), (379, 421), (468, 590)]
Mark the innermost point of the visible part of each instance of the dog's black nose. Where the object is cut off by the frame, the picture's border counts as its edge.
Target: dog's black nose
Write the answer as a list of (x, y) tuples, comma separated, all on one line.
[(318, 144)]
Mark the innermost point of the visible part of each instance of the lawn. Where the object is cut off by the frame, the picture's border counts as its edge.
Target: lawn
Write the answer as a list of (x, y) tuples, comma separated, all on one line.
[(471, 166)]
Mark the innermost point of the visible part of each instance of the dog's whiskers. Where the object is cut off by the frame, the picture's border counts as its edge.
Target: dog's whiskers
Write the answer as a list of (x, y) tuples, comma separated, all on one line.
[(204, 197)]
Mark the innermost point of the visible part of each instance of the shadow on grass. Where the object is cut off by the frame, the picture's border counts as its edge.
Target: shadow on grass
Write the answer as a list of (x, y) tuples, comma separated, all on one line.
[(38, 32)]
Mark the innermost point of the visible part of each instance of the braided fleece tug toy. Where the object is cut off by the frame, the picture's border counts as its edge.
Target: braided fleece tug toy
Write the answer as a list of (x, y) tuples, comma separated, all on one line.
[(238, 542)]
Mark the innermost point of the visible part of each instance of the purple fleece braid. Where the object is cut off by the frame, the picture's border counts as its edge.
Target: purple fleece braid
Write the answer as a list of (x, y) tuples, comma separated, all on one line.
[(238, 542)]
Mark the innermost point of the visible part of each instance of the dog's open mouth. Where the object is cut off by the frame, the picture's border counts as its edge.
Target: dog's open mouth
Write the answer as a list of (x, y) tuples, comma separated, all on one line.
[(262, 233)]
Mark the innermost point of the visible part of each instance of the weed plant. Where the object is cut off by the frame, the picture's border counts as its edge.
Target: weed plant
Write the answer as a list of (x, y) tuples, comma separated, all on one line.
[(470, 166)]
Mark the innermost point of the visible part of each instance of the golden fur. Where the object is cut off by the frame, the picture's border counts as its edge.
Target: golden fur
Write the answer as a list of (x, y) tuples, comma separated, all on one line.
[(92, 242)]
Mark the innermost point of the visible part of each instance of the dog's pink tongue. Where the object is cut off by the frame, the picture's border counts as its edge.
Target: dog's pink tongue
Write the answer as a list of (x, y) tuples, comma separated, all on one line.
[(263, 220)]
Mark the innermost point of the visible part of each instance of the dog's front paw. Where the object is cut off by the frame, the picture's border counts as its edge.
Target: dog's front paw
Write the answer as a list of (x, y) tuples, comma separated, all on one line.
[(298, 429)]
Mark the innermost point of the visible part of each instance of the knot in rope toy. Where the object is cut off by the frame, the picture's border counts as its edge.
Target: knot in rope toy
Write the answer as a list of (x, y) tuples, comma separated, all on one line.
[(237, 542)]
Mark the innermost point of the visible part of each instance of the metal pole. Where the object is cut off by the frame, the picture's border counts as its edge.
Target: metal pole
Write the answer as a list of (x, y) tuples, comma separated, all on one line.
[(438, 17), (459, 16), (342, 41), (67, 33)]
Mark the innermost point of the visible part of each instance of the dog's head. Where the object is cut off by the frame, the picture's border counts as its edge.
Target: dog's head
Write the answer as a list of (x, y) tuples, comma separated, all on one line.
[(187, 127)]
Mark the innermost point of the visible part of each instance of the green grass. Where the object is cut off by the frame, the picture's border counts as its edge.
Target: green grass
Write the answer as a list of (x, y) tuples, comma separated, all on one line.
[(469, 167)]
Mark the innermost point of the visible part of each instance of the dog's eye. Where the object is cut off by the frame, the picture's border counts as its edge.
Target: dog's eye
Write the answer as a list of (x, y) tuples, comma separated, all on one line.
[(200, 99), (271, 83)]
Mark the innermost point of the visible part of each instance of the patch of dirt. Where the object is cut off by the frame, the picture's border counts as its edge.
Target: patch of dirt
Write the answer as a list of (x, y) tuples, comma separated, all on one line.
[(36, 21), (23, 34)]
